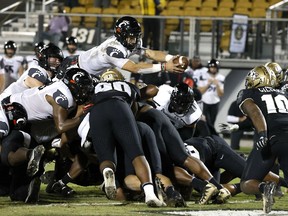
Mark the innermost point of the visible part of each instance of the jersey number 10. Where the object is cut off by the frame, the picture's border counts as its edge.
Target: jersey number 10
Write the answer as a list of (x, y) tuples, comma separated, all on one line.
[(275, 104)]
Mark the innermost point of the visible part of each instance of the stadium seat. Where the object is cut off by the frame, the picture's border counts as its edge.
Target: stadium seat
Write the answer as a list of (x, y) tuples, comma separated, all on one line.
[(244, 11), (210, 3), (175, 4), (206, 24), (77, 20), (260, 4), (114, 3), (226, 4), (90, 21), (108, 22), (67, 9), (258, 13), (86, 3), (225, 12), (190, 12), (193, 4), (225, 41), (243, 4)]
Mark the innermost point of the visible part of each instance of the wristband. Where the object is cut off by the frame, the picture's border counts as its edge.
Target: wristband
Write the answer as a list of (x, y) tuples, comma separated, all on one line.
[(168, 57), (262, 134), (154, 69)]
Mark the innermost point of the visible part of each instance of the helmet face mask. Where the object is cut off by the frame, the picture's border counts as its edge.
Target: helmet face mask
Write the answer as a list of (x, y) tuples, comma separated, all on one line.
[(128, 32), (10, 48), (260, 76), (38, 47), (182, 98), (80, 84)]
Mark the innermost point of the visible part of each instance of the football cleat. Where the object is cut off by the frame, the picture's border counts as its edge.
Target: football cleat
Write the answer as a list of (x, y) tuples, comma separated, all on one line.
[(268, 199), (175, 200), (61, 188), (159, 189), (207, 193), (278, 192), (33, 191), (153, 201), (222, 196), (109, 182), (34, 161)]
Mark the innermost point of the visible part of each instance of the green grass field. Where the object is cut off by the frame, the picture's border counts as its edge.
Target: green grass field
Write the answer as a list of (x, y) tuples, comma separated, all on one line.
[(91, 201)]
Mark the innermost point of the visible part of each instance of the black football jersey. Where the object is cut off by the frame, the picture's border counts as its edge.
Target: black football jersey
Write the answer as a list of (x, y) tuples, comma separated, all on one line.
[(272, 102), (116, 89)]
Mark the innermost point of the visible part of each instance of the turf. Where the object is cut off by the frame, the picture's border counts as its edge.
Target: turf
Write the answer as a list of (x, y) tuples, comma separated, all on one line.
[(91, 201)]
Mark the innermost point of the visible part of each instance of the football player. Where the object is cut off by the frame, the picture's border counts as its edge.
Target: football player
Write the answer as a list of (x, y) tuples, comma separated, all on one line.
[(267, 108), (116, 50), (49, 58), (112, 100), (51, 101), (71, 47), (11, 65)]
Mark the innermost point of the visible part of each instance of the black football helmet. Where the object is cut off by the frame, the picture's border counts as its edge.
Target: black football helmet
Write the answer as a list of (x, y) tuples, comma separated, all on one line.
[(181, 99), (16, 114), (213, 63), (10, 45), (80, 84), (38, 47), (47, 51), (126, 27), (72, 41)]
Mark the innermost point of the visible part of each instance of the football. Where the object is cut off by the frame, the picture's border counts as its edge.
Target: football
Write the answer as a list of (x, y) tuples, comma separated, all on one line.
[(182, 60)]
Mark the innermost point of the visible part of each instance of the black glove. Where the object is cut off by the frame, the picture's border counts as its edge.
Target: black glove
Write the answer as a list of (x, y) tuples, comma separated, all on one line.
[(262, 141)]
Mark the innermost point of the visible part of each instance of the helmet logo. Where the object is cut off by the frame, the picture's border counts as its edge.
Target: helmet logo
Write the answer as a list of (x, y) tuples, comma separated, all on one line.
[(124, 22), (20, 121), (75, 76)]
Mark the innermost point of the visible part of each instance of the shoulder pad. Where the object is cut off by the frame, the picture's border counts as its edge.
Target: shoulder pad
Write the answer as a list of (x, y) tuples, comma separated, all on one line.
[(114, 52)]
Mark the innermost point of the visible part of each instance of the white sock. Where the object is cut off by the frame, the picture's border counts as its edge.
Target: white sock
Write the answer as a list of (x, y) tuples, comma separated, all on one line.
[(148, 190), (104, 170)]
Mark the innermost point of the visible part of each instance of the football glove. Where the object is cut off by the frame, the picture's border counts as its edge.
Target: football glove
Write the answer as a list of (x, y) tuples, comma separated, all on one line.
[(262, 141), (227, 127)]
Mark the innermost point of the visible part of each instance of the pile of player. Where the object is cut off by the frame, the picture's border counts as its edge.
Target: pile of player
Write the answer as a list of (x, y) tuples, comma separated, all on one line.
[(80, 112)]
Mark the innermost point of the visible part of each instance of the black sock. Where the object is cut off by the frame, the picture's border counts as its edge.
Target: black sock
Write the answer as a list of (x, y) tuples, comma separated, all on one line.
[(66, 179), (214, 182), (237, 188), (198, 184)]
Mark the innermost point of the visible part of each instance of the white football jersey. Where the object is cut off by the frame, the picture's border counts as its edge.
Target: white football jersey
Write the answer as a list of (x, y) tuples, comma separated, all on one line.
[(10, 67), (31, 61), (36, 72), (4, 124), (210, 96), (162, 101), (110, 53), (35, 103)]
